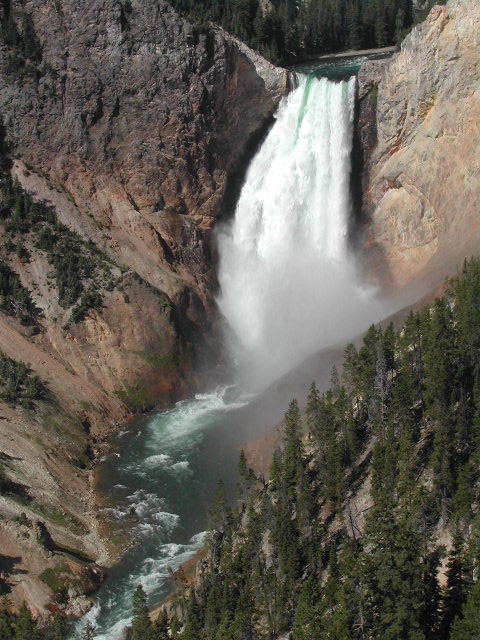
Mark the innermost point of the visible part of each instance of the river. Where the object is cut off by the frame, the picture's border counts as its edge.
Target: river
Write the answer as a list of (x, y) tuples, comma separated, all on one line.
[(160, 477)]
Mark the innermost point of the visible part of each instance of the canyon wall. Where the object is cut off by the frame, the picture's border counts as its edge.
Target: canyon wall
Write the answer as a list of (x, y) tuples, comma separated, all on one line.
[(133, 126), (419, 125)]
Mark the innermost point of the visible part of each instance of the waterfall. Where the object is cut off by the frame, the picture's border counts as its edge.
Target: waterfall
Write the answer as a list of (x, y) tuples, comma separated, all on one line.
[(288, 283)]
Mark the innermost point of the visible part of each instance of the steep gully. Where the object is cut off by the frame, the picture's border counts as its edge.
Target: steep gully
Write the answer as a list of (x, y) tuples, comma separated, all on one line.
[(289, 286)]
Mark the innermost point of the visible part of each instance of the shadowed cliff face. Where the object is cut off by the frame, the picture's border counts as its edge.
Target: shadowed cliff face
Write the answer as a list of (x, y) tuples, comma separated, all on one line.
[(131, 125), (419, 122), (141, 119)]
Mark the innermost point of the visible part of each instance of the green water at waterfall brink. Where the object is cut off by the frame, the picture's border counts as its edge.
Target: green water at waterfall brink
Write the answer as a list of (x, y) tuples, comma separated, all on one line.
[(159, 480), (337, 68)]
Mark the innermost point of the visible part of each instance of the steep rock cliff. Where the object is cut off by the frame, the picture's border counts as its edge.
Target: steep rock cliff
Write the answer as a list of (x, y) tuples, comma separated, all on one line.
[(142, 120), (133, 126), (420, 128)]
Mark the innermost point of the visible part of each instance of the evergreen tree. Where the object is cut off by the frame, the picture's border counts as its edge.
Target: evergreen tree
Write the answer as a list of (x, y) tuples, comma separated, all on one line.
[(306, 624), (430, 619), (89, 631), (221, 514), (276, 471), (60, 628), (193, 624), (292, 459), (141, 623), (6, 632), (246, 478), (392, 577), (25, 627), (467, 625), (456, 587), (313, 407)]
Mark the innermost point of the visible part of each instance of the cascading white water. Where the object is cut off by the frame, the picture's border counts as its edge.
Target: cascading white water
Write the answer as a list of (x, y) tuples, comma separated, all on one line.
[(289, 287), (288, 282)]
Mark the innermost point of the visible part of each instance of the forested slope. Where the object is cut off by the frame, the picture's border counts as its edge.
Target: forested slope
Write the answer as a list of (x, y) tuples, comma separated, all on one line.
[(283, 30), (368, 526)]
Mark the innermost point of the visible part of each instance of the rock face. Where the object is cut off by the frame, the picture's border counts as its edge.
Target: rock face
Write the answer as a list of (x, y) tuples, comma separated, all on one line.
[(422, 149), (135, 127), (142, 120)]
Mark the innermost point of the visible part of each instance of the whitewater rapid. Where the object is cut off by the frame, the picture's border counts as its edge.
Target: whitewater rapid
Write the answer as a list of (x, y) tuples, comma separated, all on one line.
[(157, 485), (287, 275)]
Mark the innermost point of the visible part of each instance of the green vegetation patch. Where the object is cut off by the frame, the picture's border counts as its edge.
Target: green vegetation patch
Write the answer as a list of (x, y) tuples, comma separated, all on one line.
[(64, 519), (81, 270), (137, 396), (57, 579), (18, 386), (15, 299)]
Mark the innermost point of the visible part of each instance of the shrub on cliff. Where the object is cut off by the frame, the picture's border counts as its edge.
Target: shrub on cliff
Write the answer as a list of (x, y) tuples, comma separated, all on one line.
[(81, 270), (15, 300), (18, 386)]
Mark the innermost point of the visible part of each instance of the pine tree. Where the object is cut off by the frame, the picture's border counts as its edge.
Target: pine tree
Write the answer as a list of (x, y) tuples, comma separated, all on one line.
[(25, 627), (60, 628), (141, 623), (160, 627), (430, 618), (220, 516), (6, 632), (439, 357), (193, 623), (354, 26), (275, 474), (350, 373), (242, 627), (381, 392), (246, 478), (456, 587), (313, 405), (392, 577), (467, 626), (306, 624), (292, 458), (89, 631), (381, 26)]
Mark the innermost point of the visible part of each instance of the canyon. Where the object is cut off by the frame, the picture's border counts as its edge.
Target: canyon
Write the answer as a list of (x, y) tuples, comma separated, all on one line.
[(137, 126)]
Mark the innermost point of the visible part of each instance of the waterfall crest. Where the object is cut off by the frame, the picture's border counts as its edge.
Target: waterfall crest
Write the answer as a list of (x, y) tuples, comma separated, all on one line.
[(288, 282)]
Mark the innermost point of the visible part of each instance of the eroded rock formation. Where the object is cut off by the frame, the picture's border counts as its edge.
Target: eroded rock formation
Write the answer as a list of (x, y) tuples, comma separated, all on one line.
[(420, 125)]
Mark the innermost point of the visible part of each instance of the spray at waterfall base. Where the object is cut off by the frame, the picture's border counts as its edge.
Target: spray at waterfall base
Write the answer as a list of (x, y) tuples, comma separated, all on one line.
[(288, 277)]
